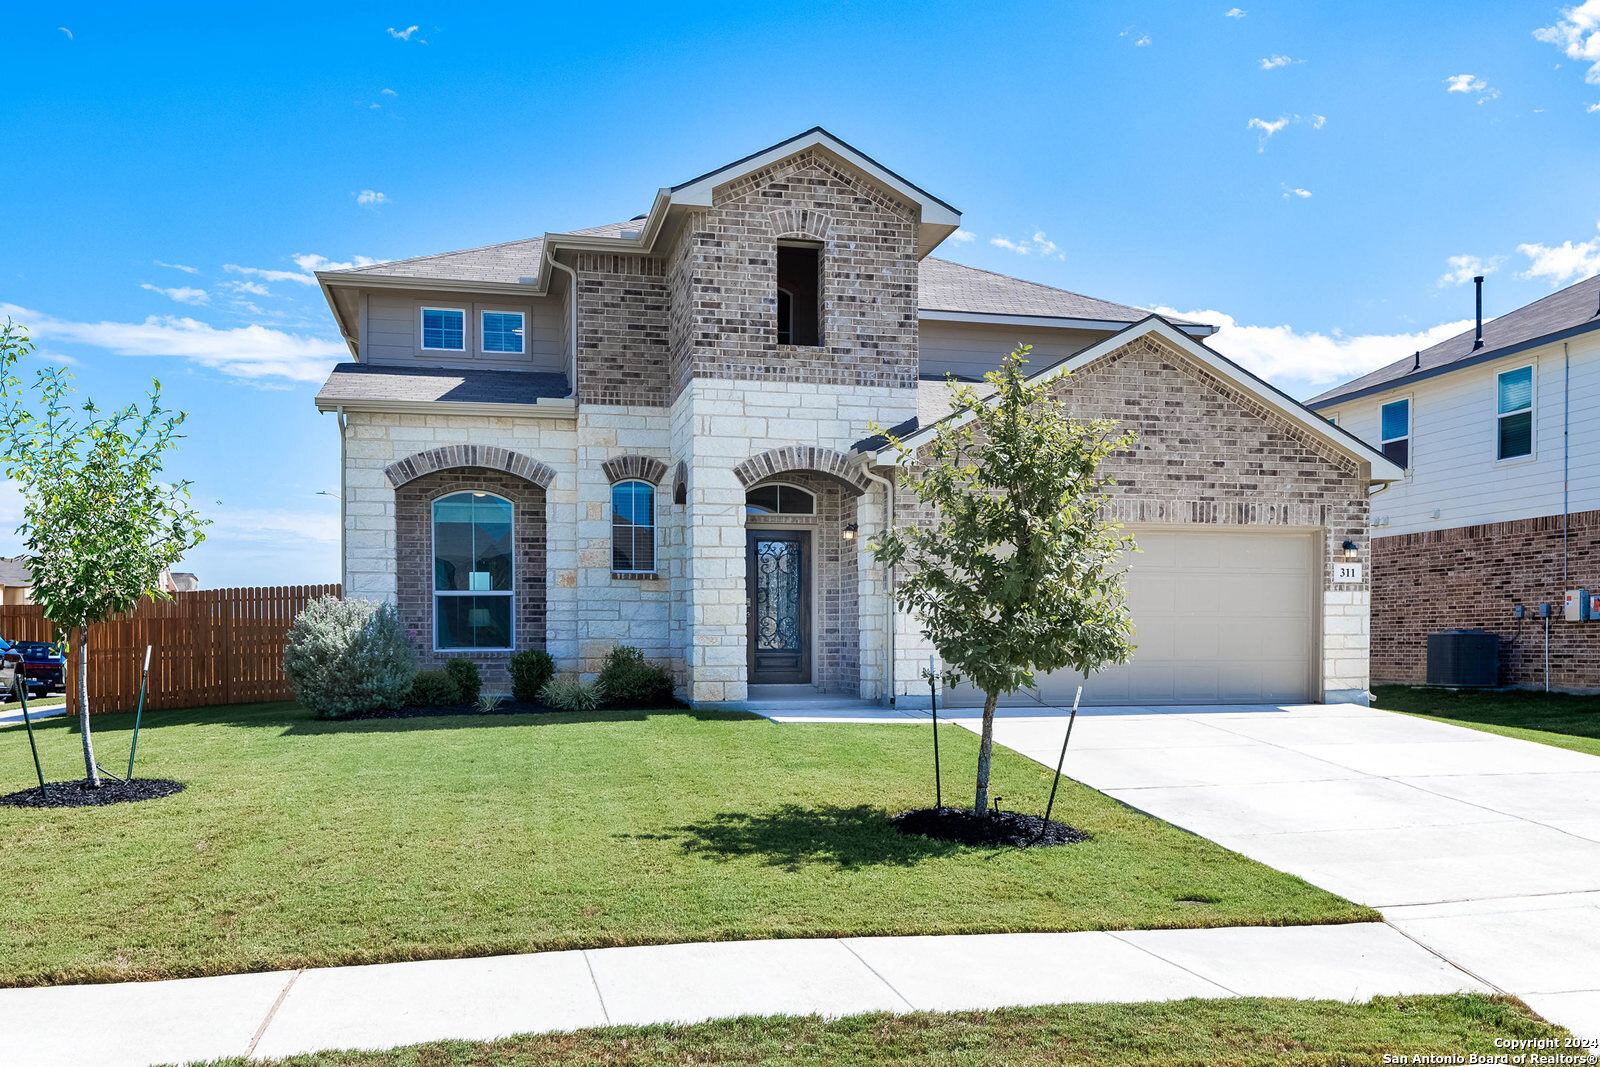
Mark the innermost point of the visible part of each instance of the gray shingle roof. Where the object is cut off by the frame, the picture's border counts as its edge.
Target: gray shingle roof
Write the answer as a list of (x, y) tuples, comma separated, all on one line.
[(14, 572), (354, 382), (943, 285), (1573, 309)]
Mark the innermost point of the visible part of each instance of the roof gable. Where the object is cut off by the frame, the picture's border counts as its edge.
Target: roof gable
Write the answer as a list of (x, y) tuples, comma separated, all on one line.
[(1295, 413)]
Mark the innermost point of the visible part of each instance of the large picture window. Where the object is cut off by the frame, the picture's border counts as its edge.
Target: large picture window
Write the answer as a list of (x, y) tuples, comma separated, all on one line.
[(473, 575), (1515, 420), (633, 527)]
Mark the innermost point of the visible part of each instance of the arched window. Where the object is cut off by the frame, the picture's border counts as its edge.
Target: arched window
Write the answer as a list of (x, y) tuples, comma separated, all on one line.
[(473, 575), (633, 527), (779, 500)]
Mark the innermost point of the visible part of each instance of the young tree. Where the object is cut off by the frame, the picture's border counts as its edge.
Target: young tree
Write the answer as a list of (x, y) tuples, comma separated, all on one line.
[(98, 526), (1016, 572)]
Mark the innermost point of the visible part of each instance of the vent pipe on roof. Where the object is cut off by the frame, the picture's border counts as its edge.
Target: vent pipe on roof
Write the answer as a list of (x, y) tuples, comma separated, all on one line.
[(1477, 342), (1416, 360)]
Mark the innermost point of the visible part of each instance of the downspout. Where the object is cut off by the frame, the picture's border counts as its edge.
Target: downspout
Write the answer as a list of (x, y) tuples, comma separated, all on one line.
[(1566, 458), (572, 323), (344, 559), (888, 611)]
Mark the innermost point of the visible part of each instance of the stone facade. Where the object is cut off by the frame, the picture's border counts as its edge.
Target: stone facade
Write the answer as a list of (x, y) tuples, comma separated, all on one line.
[(1470, 577), (414, 562)]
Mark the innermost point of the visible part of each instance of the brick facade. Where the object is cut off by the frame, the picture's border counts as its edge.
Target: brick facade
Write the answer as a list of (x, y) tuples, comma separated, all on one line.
[(622, 330), (414, 562), (1470, 577)]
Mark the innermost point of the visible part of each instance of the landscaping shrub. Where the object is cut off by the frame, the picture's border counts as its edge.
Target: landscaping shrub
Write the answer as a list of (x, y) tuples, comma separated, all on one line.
[(572, 694), (469, 683), (434, 689), (348, 656), (631, 681), (530, 670)]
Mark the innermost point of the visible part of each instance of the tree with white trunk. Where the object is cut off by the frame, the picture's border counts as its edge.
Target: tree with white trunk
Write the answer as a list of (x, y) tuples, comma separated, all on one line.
[(1017, 570), (99, 525)]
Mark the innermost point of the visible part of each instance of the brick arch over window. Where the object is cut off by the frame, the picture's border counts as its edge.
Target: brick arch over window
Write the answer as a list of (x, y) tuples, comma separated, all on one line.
[(824, 461), (806, 223), (634, 468), (489, 456)]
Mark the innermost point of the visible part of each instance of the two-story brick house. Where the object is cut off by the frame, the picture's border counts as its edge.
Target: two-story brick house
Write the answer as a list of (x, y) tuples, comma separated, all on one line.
[(657, 433)]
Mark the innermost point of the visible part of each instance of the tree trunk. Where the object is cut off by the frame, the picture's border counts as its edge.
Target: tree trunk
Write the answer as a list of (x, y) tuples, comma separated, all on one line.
[(91, 771), (985, 750)]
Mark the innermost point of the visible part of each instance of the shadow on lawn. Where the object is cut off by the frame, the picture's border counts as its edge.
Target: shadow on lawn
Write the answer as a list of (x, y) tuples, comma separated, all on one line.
[(791, 835)]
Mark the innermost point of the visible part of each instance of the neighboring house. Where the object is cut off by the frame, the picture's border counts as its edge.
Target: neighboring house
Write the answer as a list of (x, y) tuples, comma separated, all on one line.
[(16, 581), (658, 432), (180, 582), (1500, 505)]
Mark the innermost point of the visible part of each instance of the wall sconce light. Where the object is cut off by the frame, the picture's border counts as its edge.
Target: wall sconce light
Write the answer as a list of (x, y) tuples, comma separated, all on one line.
[(849, 532), (1350, 550)]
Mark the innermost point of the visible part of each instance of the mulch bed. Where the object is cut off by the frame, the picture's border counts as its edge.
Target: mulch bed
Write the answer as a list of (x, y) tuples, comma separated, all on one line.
[(79, 795), (506, 707), (1000, 829)]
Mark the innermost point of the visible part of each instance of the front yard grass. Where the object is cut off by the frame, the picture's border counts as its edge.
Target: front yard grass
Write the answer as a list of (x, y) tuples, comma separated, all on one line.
[(1558, 719), (1235, 1033), (306, 843)]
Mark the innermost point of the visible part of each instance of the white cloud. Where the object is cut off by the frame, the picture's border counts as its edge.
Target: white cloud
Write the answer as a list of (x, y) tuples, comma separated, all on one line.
[(1142, 41), (371, 198), (402, 35), (962, 237), (183, 294), (176, 266), (1577, 34), (244, 351), (1039, 245), (68, 32), (1235, 13), (1592, 108), (1268, 128), (1465, 268), (388, 92), (1292, 192), (1317, 121), (1275, 61), (272, 524), (253, 288), (1563, 262), (1470, 84), (307, 262), (1302, 364)]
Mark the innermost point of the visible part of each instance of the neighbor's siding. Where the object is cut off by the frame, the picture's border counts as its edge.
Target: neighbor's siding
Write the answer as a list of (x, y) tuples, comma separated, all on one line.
[(1453, 441)]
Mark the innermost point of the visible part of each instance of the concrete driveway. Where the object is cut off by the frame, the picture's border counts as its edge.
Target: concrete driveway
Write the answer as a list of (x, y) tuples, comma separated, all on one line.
[(1484, 849)]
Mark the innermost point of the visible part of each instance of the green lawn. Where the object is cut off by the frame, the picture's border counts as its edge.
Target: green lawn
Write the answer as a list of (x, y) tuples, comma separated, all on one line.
[(307, 843), (1210, 1032), (1550, 718)]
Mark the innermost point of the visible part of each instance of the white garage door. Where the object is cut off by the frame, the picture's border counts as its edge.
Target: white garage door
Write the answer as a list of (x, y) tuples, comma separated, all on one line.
[(1222, 617)]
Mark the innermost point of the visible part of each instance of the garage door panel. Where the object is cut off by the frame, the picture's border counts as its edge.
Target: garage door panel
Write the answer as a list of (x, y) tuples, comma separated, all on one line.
[(1221, 616)]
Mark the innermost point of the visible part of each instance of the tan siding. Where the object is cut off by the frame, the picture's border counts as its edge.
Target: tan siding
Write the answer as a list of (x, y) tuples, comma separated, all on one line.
[(392, 331), (968, 349)]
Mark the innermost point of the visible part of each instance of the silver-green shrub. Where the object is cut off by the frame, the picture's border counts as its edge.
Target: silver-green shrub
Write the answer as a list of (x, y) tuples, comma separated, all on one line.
[(348, 656), (571, 694)]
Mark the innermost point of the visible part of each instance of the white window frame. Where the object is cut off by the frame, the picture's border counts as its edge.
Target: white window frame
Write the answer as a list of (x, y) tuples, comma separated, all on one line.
[(1533, 419), (523, 336), (655, 543), (435, 593), (782, 514), (1409, 437), (422, 335)]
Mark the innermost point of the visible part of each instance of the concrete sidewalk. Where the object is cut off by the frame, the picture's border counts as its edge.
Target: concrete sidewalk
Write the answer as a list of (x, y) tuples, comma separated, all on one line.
[(377, 1007)]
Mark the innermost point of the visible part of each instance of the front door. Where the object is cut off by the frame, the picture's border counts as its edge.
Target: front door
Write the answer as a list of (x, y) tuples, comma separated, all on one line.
[(778, 581)]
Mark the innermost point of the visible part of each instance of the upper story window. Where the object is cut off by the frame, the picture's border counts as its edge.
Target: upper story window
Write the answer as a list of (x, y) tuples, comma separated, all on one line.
[(444, 329), (779, 500), (1396, 433), (633, 527), (800, 294), (502, 332), (1514, 428), (473, 576)]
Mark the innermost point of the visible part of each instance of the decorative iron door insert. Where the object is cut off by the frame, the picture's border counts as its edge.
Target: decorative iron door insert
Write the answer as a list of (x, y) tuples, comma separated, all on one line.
[(778, 584)]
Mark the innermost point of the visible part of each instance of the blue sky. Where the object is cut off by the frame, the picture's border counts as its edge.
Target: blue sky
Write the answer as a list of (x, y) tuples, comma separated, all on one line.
[(1319, 180)]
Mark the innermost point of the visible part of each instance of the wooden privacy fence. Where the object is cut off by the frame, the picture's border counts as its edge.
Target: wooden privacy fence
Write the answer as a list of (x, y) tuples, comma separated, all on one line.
[(215, 646)]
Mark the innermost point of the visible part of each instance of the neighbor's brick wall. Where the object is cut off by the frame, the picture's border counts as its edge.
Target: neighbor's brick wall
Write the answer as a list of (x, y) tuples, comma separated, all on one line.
[(414, 562), (1470, 577), (622, 330), (724, 284)]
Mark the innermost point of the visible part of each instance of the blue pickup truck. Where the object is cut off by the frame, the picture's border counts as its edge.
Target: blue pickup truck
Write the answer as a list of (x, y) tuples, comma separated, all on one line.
[(43, 665)]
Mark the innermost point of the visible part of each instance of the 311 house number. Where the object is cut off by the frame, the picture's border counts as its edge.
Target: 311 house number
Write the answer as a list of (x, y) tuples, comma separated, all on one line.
[(1347, 572)]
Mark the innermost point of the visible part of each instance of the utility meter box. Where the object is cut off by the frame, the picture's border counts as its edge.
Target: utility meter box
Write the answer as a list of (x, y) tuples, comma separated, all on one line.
[(1578, 606), (1594, 607)]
